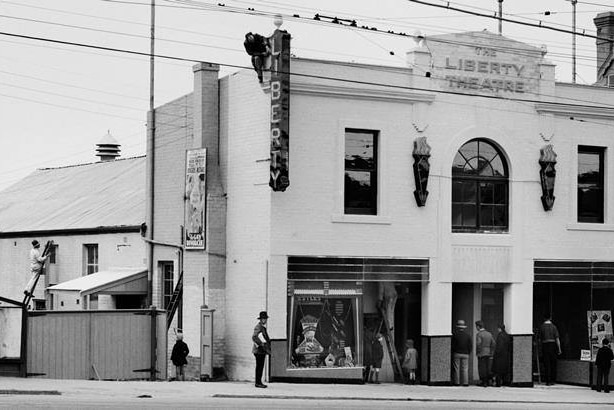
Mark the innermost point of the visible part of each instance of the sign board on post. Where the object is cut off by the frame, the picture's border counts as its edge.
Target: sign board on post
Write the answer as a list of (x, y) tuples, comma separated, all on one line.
[(280, 110), (195, 198)]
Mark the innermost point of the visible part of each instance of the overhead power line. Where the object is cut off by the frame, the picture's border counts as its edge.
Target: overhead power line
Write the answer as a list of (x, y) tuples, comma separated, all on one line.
[(345, 80), (317, 19), (524, 23)]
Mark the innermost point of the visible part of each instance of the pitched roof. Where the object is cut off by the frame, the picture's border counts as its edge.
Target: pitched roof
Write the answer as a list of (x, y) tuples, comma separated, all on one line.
[(101, 194)]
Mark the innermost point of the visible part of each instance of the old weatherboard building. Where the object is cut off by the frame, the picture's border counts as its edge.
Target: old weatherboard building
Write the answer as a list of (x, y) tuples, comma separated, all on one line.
[(468, 185)]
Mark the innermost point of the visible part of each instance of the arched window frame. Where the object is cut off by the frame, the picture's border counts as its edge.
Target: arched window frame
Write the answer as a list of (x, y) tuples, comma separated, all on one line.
[(480, 188)]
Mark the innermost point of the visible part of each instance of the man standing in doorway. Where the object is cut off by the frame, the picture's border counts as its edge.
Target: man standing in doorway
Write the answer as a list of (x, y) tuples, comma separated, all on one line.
[(484, 349), (461, 349), (551, 347)]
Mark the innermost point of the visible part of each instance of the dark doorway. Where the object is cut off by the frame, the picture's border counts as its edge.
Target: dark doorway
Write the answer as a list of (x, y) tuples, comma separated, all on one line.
[(492, 307)]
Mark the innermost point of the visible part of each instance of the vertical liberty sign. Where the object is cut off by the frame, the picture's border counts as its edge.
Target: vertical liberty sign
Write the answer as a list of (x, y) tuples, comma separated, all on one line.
[(280, 110)]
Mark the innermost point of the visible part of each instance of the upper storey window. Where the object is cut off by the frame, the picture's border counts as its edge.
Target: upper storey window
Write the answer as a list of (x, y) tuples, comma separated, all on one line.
[(480, 200), (360, 186), (590, 184)]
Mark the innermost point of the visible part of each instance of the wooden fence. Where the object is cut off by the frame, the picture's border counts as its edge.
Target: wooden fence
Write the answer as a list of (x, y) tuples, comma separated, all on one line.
[(94, 344)]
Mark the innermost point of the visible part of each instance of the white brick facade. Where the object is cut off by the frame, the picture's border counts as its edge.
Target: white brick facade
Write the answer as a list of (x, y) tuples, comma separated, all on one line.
[(252, 230)]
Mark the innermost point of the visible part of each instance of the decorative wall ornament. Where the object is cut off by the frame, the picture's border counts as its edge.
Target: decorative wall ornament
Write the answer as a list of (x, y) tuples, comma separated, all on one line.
[(547, 174), (421, 154)]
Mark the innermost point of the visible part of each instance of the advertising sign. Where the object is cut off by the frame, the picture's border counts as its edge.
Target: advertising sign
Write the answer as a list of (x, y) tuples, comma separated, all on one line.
[(280, 110), (599, 327), (195, 198)]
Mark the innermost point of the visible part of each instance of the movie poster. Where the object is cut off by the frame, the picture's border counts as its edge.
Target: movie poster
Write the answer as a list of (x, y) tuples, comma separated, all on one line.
[(599, 327), (195, 198)]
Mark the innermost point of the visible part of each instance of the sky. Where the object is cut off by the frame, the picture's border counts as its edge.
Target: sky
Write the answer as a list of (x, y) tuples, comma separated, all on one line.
[(57, 100)]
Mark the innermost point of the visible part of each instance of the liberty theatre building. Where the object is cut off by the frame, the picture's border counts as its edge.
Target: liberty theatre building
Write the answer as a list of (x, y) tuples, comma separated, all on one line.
[(468, 185)]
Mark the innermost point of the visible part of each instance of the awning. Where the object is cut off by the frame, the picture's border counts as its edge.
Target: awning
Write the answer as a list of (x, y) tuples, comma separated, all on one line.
[(346, 269), (112, 282)]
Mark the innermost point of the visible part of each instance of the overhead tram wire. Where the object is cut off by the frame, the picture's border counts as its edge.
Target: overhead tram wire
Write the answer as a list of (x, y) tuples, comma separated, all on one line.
[(72, 85), (593, 4), (213, 7), (410, 36), (217, 8), (344, 80), (193, 5), (114, 32), (511, 20), (527, 18)]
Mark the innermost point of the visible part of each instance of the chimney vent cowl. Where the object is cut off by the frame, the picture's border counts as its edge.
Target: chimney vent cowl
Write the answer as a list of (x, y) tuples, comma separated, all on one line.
[(107, 149)]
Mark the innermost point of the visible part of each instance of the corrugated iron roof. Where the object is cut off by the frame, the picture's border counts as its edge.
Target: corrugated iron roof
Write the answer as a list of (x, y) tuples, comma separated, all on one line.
[(96, 280), (101, 194)]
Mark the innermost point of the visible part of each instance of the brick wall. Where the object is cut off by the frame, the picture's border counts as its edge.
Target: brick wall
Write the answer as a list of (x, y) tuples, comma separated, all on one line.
[(244, 131), (186, 123)]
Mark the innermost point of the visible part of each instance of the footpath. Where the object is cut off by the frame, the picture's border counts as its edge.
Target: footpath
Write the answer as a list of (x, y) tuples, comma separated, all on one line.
[(561, 394)]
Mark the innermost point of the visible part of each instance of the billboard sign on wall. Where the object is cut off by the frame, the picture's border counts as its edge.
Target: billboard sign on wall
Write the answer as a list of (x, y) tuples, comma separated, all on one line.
[(195, 198)]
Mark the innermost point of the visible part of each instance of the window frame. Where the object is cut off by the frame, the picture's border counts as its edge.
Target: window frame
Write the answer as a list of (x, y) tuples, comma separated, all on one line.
[(53, 254), (479, 182), (373, 171), (87, 265), (165, 268), (581, 216)]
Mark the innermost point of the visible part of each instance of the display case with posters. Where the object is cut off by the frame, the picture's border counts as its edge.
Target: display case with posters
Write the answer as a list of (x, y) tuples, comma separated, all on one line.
[(323, 325)]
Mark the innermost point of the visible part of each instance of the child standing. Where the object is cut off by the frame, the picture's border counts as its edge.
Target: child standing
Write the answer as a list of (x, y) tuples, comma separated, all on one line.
[(377, 355), (410, 361), (179, 356), (604, 362)]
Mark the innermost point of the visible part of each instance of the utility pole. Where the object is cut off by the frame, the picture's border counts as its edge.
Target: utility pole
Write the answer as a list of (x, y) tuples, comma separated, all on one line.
[(150, 158), (500, 17), (573, 43)]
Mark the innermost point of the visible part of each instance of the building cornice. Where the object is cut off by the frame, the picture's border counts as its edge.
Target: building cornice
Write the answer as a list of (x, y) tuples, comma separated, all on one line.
[(575, 110), (323, 90)]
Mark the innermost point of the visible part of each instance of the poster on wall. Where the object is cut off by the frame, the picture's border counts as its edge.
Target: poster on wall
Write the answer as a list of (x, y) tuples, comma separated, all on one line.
[(599, 327), (195, 198)]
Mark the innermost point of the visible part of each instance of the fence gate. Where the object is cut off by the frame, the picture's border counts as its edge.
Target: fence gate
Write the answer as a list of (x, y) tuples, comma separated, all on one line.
[(93, 344)]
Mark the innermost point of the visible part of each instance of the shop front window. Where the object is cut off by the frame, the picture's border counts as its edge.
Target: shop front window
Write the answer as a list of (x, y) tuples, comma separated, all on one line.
[(580, 297), (323, 329)]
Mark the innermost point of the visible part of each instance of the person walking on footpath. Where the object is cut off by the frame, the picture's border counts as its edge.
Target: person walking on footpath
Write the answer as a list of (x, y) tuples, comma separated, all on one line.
[(179, 357), (604, 363), (37, 260), (484, 349), (501, 358), (461, 349), (410, 362), (377, 355), (262, 346), (551, 347)]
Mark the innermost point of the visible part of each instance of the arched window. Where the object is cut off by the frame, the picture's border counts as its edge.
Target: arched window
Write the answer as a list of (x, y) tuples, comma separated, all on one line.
[(479, 188)]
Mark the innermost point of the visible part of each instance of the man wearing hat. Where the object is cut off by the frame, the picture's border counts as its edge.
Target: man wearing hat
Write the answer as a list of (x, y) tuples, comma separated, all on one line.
[(461, 349), (36, 265), (262, 346)]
